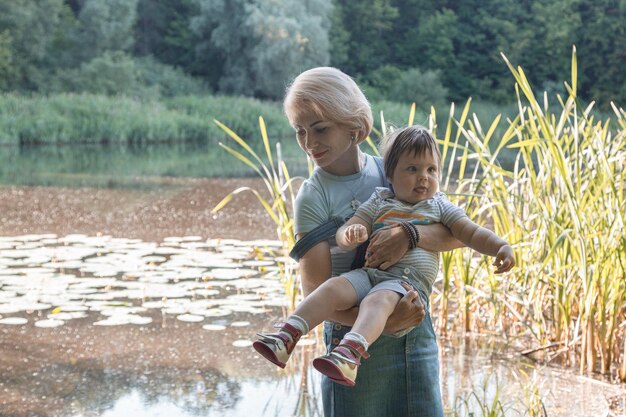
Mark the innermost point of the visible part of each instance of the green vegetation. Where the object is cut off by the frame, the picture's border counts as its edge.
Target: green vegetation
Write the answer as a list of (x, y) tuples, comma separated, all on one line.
[(396, 48), (95, 118), (63, 118), (279, 185), (561, 204)]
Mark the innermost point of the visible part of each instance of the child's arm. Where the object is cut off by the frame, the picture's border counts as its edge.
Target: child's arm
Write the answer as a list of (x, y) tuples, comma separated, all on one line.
[(353, 232), (485, 242)]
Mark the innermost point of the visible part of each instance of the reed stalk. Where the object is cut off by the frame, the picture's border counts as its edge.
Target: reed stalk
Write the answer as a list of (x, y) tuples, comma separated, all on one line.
[(279, 205)]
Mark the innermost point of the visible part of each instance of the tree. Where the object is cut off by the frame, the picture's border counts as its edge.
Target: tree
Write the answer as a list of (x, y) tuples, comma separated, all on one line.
[(485, 28), (600, 41), (370, 32), (107, 26), (264, 43), (6, 60), (163, 31), (28, 29), (546, 42)]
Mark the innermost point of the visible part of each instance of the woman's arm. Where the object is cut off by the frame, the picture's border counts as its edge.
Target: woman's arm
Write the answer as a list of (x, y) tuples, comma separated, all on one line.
[(315, 267), (388, 246), (437, 238)]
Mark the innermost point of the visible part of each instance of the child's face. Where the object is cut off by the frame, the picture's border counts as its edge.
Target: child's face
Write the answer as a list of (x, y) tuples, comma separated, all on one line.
[(416, 177)]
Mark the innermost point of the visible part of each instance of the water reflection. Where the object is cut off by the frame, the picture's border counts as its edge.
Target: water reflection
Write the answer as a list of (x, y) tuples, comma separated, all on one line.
[(85, 389), (179, 318), (122, 165)]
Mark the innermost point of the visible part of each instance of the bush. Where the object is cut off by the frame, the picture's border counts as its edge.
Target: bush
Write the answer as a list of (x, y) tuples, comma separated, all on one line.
[(110, 74), (116, 73), (170, 81), (406, 86)]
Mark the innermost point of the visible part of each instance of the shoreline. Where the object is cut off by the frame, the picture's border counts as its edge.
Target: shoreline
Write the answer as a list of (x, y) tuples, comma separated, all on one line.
[(179, 207)]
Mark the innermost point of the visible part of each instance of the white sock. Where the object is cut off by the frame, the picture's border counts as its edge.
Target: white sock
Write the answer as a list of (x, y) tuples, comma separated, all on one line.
[(299, 323), (356, 337)]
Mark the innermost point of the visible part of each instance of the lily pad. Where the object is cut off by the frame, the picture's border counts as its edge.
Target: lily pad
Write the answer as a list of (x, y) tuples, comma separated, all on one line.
[(49, 323), (14, 321), (67, 316), (214, 327), (242, 343), (191, 318), (218, 312)]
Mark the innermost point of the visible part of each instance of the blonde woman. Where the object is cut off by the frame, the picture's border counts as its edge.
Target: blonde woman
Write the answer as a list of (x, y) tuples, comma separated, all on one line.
[(331, 117)]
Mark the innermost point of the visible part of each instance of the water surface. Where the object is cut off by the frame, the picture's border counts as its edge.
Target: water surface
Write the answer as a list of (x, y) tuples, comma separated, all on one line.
[(102, 326), (119, 165)]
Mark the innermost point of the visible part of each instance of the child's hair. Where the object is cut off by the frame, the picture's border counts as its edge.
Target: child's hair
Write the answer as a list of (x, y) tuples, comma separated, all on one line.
[(330, 95), (416, 139)]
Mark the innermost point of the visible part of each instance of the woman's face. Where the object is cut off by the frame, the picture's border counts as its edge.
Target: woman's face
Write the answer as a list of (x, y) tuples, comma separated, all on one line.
[(416, 177), (328, 143)]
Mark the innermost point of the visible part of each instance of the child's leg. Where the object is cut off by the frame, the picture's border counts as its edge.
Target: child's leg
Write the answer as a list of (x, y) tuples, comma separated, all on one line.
[(335, 294), (374, 311), (342, 363)]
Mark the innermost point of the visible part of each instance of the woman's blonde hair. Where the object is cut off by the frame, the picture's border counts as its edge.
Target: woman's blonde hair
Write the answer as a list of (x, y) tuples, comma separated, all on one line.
[(332, 95)]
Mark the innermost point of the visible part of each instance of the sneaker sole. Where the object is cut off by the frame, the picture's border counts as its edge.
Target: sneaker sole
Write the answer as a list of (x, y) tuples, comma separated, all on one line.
[(332, 371), (267, 353)]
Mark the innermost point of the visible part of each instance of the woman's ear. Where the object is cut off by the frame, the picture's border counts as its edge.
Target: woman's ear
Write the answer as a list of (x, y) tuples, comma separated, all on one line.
[(359, 135)]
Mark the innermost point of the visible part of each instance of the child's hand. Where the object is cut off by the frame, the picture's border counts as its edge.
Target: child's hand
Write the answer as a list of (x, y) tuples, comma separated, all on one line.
[(355, 233), (504, 259)]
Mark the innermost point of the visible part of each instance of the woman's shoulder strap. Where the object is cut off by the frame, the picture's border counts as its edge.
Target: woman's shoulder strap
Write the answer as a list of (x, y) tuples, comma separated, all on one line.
[(322, 232)]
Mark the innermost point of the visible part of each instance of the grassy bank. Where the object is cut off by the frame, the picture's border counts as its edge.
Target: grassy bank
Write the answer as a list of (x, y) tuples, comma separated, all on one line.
[(72, 118)]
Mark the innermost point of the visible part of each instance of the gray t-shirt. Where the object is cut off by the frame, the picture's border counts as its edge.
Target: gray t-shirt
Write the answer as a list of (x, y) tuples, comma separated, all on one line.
[(382, 211), (324, 196)]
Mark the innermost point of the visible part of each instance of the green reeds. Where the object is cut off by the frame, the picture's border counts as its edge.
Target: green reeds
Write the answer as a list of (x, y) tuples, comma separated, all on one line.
[(493, 399), (72, 118), (278, 201), (562, 206), (561, 203)]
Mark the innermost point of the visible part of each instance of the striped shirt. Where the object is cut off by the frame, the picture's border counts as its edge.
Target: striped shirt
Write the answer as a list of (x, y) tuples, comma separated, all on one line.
[(382, 211)]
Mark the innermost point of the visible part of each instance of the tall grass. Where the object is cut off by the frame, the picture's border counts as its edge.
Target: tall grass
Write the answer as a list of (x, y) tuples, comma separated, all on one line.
[(561, 203), (562, 206), (278, 200), (71, 118)]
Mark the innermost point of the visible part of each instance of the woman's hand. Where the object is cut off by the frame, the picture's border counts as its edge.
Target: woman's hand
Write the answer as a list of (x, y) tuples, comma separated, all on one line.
[(386, 248), (409, 312)]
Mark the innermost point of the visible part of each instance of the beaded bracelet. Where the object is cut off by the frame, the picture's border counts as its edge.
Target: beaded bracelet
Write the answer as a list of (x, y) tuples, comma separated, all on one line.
[(417, 233), (412, 233)]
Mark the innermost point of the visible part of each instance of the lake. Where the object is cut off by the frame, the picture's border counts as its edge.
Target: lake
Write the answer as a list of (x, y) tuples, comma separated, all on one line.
[(121, 294)]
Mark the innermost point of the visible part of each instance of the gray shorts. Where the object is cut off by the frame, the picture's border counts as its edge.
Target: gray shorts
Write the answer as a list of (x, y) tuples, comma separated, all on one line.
[(368, 280)]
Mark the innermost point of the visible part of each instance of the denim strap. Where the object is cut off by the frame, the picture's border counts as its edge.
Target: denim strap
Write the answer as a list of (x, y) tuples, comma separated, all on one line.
[(322, 232)]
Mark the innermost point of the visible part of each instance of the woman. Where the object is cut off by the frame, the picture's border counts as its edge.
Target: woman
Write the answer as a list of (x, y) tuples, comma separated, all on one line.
[(332, 117)]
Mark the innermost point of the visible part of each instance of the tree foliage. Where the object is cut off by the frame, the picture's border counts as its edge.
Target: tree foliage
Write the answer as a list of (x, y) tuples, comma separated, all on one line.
[(254, 47), (274, 40)]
